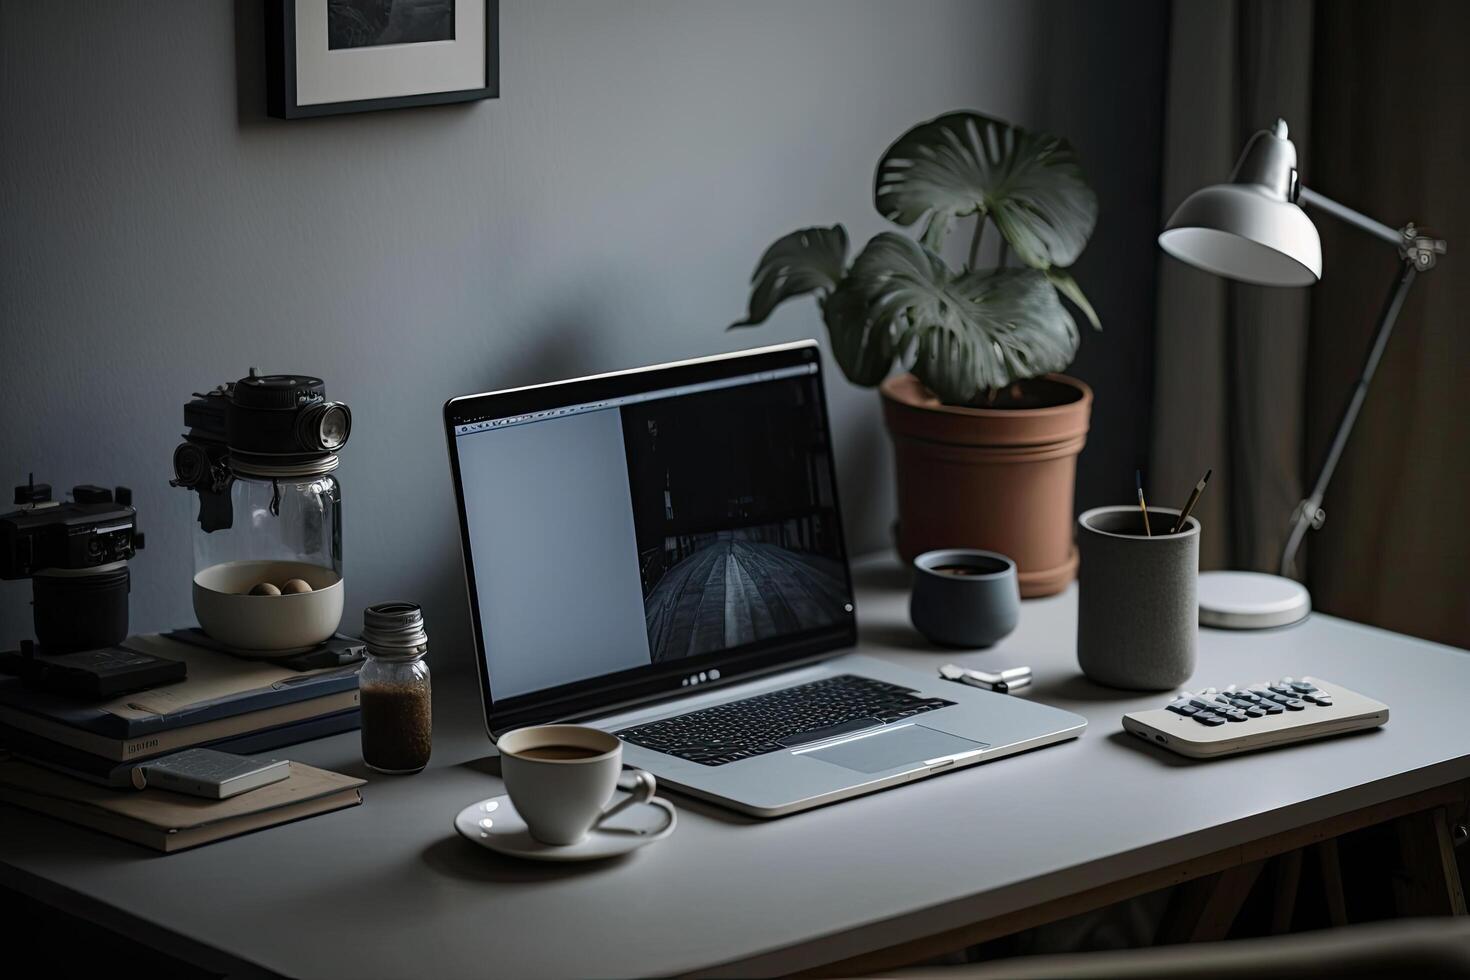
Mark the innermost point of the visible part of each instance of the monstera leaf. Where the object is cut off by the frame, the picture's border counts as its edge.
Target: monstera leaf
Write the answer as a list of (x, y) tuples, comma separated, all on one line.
[(799, 263), (1029, 184), (964, 333), (969, 333), (862, 346)]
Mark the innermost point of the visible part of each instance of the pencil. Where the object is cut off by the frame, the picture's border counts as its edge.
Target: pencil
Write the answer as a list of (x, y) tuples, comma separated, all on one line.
[(1138, 475), (1199, 488)]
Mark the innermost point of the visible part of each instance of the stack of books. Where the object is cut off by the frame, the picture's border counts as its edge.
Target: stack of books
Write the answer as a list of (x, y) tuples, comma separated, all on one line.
[(234, 705), (171, 822)]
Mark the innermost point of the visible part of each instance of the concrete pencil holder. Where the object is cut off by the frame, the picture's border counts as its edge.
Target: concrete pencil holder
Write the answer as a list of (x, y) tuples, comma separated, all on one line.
[(1137, 604)]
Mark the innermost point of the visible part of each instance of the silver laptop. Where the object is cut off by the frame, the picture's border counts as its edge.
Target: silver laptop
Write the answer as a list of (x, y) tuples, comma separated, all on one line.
[(659, 553)]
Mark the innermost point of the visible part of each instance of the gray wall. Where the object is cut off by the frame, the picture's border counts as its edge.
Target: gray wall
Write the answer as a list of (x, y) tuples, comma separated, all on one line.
[(161, 235)]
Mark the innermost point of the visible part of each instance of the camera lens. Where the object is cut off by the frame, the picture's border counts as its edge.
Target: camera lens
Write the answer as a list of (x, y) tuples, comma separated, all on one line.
[(191, 466), (324, 427), (81, 611)]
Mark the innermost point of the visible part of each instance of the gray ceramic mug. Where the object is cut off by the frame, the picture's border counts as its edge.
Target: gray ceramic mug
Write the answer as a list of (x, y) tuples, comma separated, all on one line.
[(964, 598), (1137, 602)]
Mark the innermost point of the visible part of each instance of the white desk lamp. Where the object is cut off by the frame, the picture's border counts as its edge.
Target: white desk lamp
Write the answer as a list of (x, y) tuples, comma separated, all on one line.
[(1253, 229)]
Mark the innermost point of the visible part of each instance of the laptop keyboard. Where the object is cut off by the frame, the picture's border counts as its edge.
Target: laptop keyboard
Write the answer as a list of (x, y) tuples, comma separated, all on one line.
[(781, 719)]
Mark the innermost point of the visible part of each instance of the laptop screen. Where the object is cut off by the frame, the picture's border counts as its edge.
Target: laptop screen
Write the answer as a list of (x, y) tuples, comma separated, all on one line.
[(640, 532)]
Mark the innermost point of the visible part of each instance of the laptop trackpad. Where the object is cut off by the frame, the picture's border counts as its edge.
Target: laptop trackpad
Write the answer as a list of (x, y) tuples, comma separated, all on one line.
[(892, 748)]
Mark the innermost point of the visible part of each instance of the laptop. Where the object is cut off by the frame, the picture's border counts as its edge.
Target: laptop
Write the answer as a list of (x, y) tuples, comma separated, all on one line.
[(659, 553)]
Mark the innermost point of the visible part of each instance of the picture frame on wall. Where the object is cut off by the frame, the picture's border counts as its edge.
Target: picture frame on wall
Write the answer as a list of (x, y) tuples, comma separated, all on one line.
[(326, 57)]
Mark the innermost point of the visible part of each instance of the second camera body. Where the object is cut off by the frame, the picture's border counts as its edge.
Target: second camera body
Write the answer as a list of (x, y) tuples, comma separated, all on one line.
[(76, 553)]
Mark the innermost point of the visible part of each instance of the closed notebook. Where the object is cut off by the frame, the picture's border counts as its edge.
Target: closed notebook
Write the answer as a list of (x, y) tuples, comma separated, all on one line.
[(168, 821), (218, 686), (188, 736), (110, 772)]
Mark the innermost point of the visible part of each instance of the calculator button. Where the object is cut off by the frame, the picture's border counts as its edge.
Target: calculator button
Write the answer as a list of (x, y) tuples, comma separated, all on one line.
[(1272, 708), (1254, 712), (1302, 687), (1236, 715), (1209, 719), (1319, 698), (1292, 704)]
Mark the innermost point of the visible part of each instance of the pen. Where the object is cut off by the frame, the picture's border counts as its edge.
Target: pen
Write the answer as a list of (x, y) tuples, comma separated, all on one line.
[(1199, 488), (1138, 475)]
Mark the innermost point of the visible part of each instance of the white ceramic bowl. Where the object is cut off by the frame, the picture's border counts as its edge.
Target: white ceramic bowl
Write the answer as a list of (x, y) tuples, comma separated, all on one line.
[(267, 625)]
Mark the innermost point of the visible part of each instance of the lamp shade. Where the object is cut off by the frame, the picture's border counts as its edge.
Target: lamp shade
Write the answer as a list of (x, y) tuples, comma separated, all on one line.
[(1251, 228)]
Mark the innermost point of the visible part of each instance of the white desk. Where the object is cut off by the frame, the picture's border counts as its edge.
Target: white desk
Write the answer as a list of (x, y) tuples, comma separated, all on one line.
[(388, 889)]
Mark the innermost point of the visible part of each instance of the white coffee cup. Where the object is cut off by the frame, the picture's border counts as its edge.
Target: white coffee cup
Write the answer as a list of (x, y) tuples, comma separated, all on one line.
[(561, 777)]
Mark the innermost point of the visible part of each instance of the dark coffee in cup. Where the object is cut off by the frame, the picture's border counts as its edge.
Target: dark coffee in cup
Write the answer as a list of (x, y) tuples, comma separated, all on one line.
[(558, 753), (958, 570)]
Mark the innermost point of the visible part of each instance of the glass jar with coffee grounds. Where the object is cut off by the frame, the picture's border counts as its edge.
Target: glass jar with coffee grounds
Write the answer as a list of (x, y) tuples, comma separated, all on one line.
[(397, 718)]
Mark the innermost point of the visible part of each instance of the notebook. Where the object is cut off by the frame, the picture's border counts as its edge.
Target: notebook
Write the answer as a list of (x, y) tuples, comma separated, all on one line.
[(223, 697), (173, 739), (110, 772), (171, 822), (218, 686)]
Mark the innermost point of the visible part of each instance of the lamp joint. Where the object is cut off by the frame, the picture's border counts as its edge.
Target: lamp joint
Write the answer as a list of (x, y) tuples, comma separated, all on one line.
[(1311, 513), (1422, 250)]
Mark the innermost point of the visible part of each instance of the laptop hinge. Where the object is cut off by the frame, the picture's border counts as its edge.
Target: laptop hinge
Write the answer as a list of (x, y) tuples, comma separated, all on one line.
[(548, 714)]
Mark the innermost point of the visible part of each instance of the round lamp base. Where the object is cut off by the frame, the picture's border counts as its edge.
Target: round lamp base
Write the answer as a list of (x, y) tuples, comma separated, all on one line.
[(1251, 600)]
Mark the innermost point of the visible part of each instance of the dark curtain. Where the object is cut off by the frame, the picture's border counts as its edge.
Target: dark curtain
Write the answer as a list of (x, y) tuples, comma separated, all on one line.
[(1391, 137), (1250, 380), (1230, 358)]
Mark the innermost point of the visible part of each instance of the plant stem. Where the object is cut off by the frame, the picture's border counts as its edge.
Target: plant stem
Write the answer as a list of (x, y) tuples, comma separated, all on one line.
[(980, 221)]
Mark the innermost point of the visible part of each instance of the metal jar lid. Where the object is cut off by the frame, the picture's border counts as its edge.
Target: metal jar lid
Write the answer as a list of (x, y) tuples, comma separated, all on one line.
[(395, 630)]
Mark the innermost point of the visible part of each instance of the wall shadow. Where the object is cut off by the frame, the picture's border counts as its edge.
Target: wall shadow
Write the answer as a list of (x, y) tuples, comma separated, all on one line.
[(250, 62)]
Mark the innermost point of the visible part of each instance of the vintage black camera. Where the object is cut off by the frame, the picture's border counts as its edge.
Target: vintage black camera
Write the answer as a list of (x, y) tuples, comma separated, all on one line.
[(264, 424), (76, 555)]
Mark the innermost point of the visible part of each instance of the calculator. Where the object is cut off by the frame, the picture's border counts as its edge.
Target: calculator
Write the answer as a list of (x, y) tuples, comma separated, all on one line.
[(1219, 722)]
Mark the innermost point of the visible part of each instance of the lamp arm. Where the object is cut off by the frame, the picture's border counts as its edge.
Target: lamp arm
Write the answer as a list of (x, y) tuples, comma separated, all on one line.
[(1418, 254), (1320, 202), (1309, 513), (1422, 250)]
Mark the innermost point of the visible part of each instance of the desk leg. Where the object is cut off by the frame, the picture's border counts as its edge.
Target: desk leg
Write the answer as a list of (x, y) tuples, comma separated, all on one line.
[(1283, 904), (1331, 870), (1203, 910), (1231, 872), (1429, 881)]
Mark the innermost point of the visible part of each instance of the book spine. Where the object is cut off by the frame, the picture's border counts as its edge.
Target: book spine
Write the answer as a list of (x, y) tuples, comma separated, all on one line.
[(128, 750), (301, 690), (52, 709), (118, 775)]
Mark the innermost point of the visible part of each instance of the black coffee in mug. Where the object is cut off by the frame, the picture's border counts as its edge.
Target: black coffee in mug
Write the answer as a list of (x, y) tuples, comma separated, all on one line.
[(964, 597), (558, 753)]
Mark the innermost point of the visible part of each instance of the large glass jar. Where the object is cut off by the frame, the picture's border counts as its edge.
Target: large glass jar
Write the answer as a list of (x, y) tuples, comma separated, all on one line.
[(279, 518)]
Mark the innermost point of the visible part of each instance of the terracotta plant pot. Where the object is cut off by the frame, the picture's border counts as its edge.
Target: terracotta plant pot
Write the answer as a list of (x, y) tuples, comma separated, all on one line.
[(1000, 479)]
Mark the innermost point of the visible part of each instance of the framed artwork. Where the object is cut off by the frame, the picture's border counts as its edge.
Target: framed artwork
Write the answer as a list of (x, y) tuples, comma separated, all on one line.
[(326, 57)]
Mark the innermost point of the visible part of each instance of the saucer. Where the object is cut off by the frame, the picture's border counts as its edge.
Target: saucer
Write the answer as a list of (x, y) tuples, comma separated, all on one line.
[(495, 824)]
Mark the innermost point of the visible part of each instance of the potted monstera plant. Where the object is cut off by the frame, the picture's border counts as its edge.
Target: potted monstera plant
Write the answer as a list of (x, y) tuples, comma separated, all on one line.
[(986, 429)]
